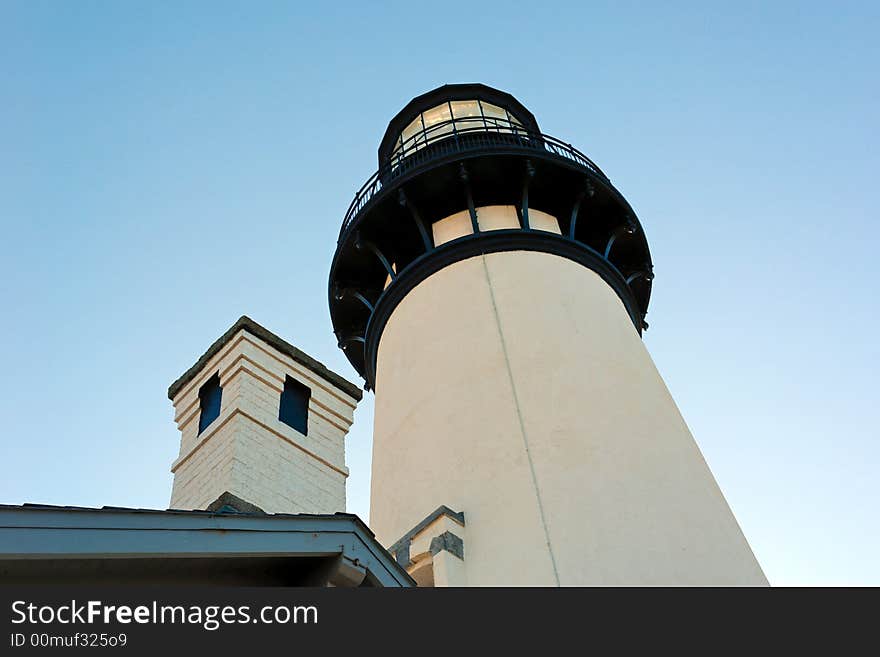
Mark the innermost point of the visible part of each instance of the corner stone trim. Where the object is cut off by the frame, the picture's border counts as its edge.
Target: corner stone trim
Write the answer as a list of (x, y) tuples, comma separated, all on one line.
[(453, 544), (449, 542)]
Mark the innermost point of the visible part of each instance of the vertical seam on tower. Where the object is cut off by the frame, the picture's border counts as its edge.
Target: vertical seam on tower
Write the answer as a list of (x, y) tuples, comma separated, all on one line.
[(522, 426)]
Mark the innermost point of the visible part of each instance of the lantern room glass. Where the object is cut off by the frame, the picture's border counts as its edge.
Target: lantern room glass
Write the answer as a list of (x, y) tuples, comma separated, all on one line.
[(452, 118)]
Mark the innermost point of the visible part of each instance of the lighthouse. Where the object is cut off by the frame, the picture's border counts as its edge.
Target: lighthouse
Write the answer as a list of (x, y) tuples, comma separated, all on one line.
[(491, 285)]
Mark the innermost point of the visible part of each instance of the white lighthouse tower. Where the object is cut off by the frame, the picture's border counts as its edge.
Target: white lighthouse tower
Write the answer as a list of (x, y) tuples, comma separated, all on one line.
[(490, 285)]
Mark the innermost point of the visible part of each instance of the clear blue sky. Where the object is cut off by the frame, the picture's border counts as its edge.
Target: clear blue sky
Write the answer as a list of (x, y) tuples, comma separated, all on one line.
[(166, 167)]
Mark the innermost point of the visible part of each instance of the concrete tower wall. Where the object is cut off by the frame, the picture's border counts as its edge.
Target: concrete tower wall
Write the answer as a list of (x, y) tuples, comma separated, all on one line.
[(514, 388)]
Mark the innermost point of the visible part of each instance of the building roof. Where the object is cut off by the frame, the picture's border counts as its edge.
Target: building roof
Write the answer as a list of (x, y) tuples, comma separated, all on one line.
[(257, 330), (125, 544)]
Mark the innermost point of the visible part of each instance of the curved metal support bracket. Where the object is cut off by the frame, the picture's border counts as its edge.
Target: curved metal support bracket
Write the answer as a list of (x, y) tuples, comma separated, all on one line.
[(642, 273), (465, 179), (341, 293), (343, 343), (360, 297), (588, 190), (360, 244), (627, 229), (427, 238), (524, 212)]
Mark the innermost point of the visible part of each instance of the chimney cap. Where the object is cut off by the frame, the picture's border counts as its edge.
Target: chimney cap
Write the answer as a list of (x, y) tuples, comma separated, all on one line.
[(246, 323)]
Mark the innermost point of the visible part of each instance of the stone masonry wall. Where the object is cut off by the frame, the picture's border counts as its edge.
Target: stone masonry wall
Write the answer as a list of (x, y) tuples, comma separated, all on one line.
[(247, 450)]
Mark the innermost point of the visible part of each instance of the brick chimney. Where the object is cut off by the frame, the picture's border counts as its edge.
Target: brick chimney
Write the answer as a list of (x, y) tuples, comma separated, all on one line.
[(262, 421)]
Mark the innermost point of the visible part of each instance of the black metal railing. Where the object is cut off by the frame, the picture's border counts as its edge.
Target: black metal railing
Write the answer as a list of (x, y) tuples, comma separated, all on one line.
[(452, 127), (454, 137)]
